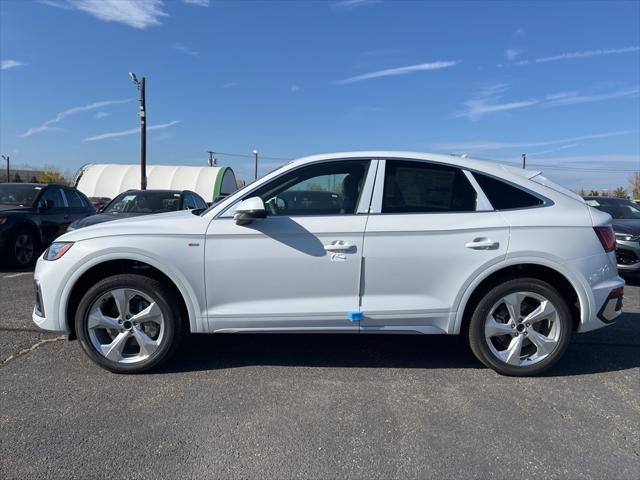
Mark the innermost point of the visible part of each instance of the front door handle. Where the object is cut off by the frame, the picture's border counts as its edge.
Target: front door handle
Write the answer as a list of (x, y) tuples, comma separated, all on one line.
[(482, 244), (339, 246)]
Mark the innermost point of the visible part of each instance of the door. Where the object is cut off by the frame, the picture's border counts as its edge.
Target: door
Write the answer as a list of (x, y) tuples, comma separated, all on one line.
[(76, 207), (55, 218), (429, 234), (299, 268)]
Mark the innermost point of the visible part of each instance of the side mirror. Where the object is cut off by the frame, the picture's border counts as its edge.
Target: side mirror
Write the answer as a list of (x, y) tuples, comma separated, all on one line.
[(44, 205), (249, 210)]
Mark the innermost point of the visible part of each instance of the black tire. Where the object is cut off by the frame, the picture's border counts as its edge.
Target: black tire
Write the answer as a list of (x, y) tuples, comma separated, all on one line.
[(479, 343), (156, 290), (18, 256)]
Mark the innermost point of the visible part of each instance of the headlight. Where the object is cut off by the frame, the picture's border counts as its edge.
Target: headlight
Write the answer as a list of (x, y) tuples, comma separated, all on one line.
[(57, 250), (627, 237)]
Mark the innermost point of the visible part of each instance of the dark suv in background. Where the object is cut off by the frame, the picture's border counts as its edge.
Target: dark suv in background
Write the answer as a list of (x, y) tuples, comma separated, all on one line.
[(32, 215), (626, 226)]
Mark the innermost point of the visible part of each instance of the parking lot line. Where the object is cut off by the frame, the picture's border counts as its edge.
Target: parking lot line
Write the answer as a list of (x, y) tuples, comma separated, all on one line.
[(19, 274)]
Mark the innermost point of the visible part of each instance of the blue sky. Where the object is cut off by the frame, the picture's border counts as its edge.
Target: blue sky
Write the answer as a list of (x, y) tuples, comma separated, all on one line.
[(557, 80)]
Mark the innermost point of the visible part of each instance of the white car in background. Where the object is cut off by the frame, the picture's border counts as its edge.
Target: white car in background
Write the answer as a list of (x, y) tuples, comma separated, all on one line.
[(363, 242)]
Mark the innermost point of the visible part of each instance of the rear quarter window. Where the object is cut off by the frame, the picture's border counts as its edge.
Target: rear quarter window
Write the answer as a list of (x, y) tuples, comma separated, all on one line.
[(504, 196)]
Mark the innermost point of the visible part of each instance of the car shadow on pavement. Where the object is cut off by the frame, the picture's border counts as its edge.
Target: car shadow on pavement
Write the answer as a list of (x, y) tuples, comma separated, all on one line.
[(607, 350)]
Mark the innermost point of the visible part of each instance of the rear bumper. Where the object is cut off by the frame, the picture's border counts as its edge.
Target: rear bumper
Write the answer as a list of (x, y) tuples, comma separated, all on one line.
[(612, 307)]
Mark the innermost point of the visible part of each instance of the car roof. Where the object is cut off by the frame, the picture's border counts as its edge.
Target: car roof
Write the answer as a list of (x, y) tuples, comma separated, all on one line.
[(602, 197), (26, 184), (488, 166), (154, 190)]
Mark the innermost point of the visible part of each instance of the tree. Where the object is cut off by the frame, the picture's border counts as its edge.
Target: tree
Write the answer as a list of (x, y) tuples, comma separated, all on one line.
[(620, 192), (594, 193), (634, 185), (581, 192), (52, 175)]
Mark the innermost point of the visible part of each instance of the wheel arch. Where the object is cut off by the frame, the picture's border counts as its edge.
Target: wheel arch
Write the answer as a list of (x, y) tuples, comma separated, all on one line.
[(562, 280), (83, 279)]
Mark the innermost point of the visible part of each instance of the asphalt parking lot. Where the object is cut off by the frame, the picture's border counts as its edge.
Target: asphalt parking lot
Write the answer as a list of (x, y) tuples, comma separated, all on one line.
[(277, 406)]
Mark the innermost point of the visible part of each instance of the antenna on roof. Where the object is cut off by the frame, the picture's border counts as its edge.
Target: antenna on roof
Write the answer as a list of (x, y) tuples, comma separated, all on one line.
[(524, 160)]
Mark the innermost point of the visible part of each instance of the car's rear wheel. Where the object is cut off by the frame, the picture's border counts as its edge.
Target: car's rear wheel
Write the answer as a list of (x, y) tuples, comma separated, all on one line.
[(521, 327), (23, 249), (126, 324)]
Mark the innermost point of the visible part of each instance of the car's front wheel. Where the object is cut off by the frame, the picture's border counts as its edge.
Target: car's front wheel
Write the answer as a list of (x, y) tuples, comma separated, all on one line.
[(127, 324), (22, 249), (521, 327)]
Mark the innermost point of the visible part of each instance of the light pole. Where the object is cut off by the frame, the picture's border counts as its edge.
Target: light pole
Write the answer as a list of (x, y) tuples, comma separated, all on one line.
[(255, 175), (212, 158), (143, 130), (6, 157), (524, 160)]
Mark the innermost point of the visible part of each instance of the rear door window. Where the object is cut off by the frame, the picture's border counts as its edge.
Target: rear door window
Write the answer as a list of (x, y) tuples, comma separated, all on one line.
[(422, 187)]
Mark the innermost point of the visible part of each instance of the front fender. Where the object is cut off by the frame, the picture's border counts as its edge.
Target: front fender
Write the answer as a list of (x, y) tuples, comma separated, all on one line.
[(83, 264)]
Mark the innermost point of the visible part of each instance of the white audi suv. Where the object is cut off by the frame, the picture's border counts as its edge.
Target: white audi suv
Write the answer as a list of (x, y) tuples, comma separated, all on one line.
[(361, 242)]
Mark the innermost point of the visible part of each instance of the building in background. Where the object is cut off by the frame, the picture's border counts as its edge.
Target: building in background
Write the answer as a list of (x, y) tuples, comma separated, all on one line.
[(110, 179)]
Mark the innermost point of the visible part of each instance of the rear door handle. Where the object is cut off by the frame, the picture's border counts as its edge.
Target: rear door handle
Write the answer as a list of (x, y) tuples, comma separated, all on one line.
[(482, 244), (339, 246)]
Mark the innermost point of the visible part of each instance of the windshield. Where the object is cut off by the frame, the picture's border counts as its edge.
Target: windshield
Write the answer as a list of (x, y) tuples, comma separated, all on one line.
[(621, 209), (18, 194), (144, 202)]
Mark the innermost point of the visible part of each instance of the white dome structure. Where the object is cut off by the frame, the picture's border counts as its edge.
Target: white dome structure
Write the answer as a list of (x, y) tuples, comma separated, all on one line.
[(111, 179)]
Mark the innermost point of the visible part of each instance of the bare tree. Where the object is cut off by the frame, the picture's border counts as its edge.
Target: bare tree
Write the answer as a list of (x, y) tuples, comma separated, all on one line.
[(634, 185)]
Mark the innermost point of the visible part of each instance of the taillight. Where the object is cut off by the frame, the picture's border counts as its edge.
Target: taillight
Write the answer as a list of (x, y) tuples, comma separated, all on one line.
[(606, 237)]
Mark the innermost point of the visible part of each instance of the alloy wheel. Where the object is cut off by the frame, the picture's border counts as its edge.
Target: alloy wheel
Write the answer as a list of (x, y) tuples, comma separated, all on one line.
[(23, 248), (125, 325), (522, 328)]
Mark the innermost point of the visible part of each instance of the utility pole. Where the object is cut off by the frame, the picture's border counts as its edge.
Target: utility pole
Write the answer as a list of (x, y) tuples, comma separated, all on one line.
[(6, 157), (524, 160), (212, 159), (143, 130), (255, 175)]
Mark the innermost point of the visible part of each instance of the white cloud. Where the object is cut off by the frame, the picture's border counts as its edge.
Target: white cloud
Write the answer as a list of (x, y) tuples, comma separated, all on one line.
[(197, 3), (494, 145), (351, 4), (124, 133), (553, 150), (230, 85), (48, 125), (518, 33), (184, 49), (294, 88), (584, 54), (487, 100), (478, 108), (101, 115), (7, 64), (573, 98), (134, 13), (512, 53), (399, 71)]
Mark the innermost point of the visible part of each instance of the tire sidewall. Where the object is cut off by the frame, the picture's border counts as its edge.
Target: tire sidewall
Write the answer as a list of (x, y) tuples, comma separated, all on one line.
[(12, 248), (158, 293), (476, 328)]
